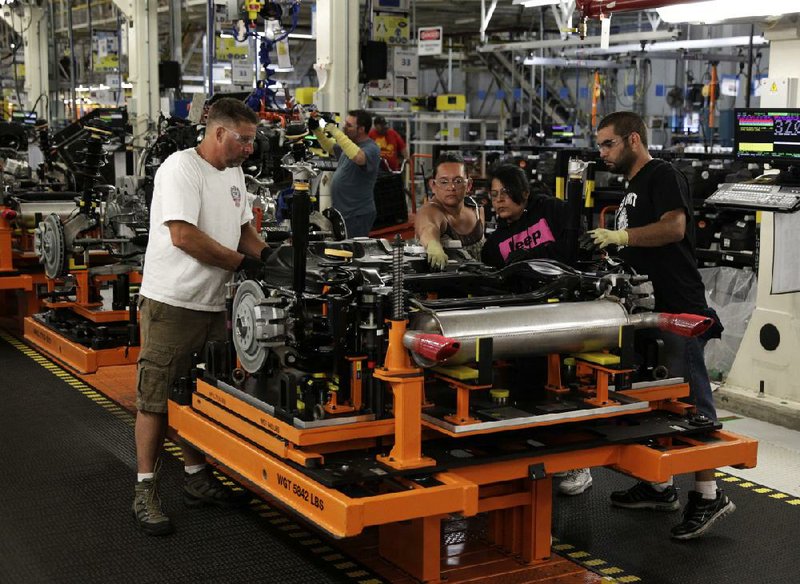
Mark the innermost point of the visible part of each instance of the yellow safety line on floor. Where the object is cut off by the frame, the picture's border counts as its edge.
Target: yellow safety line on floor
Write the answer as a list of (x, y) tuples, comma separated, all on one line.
[(597, 565), (274, 517), (792, 500)]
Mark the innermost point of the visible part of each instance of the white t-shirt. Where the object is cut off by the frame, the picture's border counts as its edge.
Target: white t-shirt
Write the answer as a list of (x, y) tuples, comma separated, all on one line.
[(187, 188)]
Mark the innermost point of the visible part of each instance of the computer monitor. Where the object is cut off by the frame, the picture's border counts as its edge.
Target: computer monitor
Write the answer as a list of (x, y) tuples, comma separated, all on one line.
[(767, 135), (24, 117), (562, 131)]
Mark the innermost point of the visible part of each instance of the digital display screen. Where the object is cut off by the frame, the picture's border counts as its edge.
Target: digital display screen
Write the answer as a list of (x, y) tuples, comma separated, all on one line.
[(29, 118), (767, 134), (562, 131)]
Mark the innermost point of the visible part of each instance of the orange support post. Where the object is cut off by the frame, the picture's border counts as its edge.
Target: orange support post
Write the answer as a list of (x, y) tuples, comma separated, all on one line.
[(595, 98), (554, 383), (6, 232), (407, 387), (422, 560)]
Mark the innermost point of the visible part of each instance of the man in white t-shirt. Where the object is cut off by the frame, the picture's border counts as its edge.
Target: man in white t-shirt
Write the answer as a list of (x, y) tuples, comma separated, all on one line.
[(200, 233)]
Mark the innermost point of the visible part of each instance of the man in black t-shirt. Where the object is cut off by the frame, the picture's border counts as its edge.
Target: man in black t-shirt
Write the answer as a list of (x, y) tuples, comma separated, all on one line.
[(655, 235)]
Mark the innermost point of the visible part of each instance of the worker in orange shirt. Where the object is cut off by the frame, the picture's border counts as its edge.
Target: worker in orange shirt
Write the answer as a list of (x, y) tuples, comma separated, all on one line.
[(393, 147)]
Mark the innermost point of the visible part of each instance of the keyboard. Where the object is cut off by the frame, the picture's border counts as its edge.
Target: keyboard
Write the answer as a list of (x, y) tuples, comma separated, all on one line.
[(755, 196)]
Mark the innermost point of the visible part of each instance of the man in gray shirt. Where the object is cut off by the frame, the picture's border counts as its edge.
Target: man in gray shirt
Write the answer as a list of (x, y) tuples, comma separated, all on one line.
[(357, 169)]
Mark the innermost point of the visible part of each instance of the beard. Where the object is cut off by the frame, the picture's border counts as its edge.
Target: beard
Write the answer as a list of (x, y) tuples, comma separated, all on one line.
[(624, 163), (238, 161)]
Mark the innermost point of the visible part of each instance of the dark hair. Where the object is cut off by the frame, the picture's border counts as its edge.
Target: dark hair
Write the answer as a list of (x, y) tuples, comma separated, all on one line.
[(362, 119), (379, 121), (446, 157), (231, 111), (513, 179), (624, 123)]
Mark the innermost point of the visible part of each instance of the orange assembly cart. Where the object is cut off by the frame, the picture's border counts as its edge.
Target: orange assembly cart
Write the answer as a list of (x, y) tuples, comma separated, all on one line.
[(358, 399), (408, 472)]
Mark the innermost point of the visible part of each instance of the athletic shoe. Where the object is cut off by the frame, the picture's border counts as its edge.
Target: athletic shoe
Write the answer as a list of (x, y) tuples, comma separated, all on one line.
[(700, 514), (577, 482), (644, 496)]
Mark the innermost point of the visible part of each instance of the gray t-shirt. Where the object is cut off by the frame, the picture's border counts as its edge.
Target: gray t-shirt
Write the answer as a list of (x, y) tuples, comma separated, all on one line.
[(353, 185)]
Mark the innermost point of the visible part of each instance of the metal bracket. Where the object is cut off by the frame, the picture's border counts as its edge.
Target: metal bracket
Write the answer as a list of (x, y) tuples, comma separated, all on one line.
[(486, 17), (536, 471), (654, 18), (562, 12)]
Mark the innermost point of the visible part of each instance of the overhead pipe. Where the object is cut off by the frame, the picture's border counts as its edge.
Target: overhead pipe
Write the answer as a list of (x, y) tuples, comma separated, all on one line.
[(594, 8)]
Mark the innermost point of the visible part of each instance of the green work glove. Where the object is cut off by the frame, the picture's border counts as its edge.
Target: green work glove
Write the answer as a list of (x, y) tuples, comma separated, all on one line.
[(437, 258), (604, 237)]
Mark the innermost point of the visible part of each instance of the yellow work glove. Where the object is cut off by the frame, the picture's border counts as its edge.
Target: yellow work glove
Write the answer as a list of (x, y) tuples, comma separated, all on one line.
[(437, 258), (349, 147), (326, 143), (604, 237)]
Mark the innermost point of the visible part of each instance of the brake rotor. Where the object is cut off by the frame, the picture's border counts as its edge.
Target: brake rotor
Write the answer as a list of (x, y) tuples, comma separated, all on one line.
[(50, 245), (256, 326)]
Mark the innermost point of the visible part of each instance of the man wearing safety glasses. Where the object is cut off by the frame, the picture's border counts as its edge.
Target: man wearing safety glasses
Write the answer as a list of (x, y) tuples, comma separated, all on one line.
[(445, 216), (200, 233), (654, 233)]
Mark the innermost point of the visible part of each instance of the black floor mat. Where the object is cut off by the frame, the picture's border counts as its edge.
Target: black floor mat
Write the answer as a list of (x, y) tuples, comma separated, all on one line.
[(754, 545), (66, 493), (68, 482)]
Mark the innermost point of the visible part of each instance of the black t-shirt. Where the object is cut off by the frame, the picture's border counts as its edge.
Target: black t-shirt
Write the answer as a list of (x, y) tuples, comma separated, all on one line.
[(539, 233), (657, 189)]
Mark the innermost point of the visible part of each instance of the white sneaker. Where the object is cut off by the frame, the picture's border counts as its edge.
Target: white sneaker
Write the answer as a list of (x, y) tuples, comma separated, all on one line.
[(577, 482)]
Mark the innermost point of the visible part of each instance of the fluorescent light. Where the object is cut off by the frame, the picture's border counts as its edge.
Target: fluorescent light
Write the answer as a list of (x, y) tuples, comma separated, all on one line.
[(535, 3), (740, 41), (718, 10), (613, 49), (299, 35), (575, 63)]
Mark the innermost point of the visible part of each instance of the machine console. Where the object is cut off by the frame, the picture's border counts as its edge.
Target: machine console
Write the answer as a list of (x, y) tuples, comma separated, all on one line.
[(324, 163), (756, 196)]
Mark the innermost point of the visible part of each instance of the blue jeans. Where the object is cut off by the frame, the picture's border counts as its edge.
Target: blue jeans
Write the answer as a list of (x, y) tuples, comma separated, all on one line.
[(684, 358), (359, 225)]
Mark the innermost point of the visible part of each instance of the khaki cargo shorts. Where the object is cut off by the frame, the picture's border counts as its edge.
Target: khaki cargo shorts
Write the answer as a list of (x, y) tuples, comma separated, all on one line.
[(170, 335)]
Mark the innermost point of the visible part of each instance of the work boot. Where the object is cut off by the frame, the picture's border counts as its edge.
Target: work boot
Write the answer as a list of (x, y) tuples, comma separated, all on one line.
[(576, 482), (644, 496), (147, 509), (203, 488), (700, 514)]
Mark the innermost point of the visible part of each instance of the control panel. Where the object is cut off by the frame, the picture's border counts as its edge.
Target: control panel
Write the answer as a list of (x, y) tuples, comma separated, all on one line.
[(756, 196)]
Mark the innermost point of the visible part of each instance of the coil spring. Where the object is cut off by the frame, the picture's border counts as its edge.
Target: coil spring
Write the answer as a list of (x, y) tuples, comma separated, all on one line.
[(397, 278), (94, 158)]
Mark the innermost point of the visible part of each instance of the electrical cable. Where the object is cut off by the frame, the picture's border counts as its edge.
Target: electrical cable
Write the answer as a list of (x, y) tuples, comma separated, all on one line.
[(265, 93)]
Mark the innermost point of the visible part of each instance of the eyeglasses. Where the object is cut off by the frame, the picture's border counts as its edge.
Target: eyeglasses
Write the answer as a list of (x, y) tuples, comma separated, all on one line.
[(457, 182), (501, 194), (609, 144), (243, 140)]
